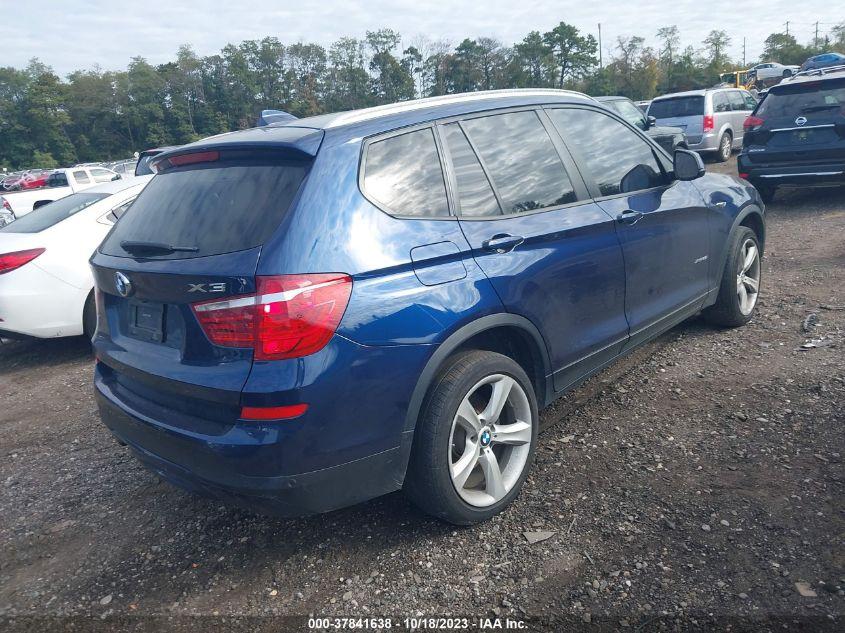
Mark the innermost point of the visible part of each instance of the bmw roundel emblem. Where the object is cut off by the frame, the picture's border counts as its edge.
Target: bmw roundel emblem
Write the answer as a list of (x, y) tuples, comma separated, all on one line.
[(485, 437), (122, 284), (801, 120)]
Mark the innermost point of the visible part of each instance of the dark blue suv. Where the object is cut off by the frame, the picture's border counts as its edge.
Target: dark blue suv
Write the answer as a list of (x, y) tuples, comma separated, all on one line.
[(303, 316)]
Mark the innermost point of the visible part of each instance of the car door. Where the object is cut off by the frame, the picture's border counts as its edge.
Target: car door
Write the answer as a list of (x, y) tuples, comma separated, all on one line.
[(738, 115), (662, 223), (550, 252), (722, 114)]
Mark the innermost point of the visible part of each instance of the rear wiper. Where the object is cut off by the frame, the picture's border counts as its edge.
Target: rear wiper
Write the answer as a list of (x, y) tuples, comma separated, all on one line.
[(155, 248), (817, 108)]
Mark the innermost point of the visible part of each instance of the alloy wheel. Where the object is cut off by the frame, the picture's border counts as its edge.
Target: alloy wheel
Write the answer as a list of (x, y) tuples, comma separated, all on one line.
[(490, 440), (748, 276), (726, 147)]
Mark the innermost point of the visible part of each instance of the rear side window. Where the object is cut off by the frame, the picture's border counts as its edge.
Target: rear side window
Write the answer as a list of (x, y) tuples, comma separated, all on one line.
[(827, 97), (522, 161), (231, 204), (677, 107), (616, 157), (58, 179), (81, 177), (475, 195), (53, 213), (403, 174)]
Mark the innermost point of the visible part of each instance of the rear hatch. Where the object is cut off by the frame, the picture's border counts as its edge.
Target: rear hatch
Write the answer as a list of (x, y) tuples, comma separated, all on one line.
[(193, 236), (685, 112), (801, 122)]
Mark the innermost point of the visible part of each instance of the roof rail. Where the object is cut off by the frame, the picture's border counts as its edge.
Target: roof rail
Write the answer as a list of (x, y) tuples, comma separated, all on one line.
[(819, 71)]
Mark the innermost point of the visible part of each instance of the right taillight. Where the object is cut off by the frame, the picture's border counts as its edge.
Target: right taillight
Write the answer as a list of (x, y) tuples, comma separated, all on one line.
[(289, 316), (708, 123), (13, 261), (752, 123)]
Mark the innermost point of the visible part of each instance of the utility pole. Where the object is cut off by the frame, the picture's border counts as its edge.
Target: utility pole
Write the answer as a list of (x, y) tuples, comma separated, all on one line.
[(787, 27), (743, 52), (600, 64), (816, 37)]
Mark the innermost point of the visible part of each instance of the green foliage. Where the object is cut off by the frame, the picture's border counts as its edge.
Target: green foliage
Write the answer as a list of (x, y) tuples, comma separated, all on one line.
[(99, 115)]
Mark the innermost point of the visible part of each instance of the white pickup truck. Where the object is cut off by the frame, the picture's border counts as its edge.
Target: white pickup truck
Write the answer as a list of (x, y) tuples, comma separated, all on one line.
[(60, 183)]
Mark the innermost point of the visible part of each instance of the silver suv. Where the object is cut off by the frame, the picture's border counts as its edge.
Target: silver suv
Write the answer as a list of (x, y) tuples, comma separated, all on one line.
[(711, 119)]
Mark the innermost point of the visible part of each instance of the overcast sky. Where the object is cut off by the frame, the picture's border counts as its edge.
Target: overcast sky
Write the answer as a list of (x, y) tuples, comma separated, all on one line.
[(107, 33)]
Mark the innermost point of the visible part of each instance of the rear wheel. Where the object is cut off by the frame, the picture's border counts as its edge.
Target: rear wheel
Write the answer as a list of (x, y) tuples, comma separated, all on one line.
[(740, 285), (724, 151), (475, 439)]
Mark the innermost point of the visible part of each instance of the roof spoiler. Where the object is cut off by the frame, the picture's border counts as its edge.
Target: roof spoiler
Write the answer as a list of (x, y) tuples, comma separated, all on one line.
[(273, 116)]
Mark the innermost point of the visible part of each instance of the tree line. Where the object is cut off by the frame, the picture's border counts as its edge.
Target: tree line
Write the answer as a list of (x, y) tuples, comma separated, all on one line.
[(98, 115)]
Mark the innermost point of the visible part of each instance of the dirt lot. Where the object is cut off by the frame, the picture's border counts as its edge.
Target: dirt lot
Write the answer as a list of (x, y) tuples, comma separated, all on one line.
[(696, 484)]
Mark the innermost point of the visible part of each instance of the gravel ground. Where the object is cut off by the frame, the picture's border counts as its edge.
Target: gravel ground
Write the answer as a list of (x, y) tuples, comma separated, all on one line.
[(696, 484)]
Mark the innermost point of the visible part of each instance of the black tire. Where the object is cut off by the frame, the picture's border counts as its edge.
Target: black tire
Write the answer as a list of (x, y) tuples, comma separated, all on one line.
[(726, 311), (428, 482), (89, 317), (767, 192), (723, 154)]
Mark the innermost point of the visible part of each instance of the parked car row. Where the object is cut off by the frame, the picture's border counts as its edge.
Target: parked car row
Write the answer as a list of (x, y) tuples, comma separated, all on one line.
[(487, 252)]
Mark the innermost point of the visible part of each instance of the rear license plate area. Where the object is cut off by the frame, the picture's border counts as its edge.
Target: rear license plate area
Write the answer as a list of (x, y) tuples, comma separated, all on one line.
[(146, 321)]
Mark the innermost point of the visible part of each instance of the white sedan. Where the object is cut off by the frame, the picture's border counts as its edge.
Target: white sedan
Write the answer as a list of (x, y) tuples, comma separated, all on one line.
[(46, 286)]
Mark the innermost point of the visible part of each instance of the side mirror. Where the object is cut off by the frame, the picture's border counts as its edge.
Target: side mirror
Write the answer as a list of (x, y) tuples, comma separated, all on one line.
[(687, 165), (116, 177), (650, 121)]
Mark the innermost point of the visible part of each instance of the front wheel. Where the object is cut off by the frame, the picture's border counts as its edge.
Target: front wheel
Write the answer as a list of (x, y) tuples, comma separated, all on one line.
[(475, 439), (740, 285)]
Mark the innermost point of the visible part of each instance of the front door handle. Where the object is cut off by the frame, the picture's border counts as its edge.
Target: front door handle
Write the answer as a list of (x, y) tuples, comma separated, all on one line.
[(502, 243), (629, 217)]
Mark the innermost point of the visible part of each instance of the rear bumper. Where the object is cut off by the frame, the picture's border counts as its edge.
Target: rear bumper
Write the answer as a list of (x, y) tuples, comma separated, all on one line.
[(208, 466), (792, 174), (35, 304)]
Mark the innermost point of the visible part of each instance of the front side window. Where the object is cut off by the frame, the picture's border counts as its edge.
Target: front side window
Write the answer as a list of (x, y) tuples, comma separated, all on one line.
[(737, 102), (616, 157), (750, 101), (475, 195), (631, 113), (403, 174), (522, 161), (102, 175)]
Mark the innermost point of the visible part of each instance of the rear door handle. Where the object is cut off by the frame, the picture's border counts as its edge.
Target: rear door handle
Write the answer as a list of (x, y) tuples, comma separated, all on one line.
[(629, 217), (502, 243)]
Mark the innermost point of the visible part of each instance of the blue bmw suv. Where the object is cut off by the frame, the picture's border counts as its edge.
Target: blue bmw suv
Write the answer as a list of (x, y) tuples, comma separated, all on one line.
[(303, 316)]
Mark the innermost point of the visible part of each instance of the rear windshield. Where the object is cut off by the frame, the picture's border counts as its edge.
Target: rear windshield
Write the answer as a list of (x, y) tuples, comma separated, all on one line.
[(826, 97), (58, 179), (677, 107), (210, 208), (53, 213)]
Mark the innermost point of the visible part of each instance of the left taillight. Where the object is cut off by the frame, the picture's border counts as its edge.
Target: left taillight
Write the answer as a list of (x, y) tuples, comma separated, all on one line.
[(13, 261), (289, 316)]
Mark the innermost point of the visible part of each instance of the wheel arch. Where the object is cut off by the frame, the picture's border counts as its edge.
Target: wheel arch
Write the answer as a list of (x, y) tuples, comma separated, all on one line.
[(752, 217), (510, 334)]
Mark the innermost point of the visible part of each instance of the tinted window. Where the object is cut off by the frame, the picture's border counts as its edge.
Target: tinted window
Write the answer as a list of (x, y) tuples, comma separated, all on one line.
[(118, 212), (720, 102), (403, 174), (616, 157), (523, 163), (53, 213), (737, 102), (143, 167), (59, 179), (677, 107), (823, 97), (81, 177), (217, 207), (475, 194)]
